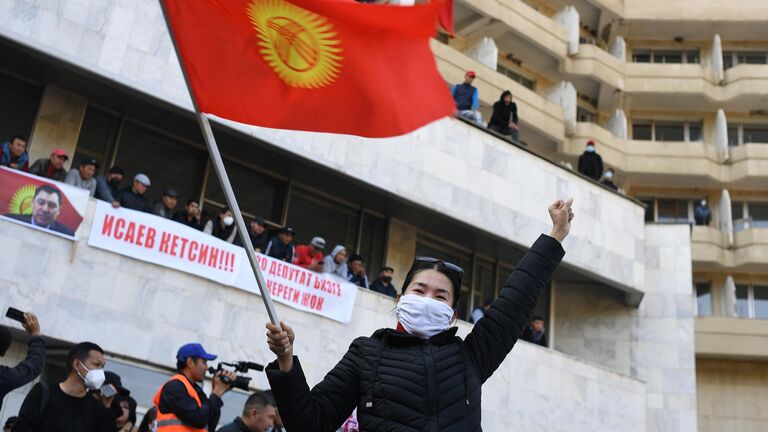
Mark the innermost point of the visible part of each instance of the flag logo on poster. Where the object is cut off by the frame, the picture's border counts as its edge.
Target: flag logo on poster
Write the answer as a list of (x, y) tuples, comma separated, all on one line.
[(21, 201), (300, 46)]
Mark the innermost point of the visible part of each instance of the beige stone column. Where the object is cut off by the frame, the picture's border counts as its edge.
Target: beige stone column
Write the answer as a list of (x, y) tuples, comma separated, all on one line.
[(58, 123), (401, 249)]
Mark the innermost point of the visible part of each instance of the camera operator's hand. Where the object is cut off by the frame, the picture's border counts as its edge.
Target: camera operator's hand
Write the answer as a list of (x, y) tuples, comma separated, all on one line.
[(31, 325), (280, 340), (562, 215), (219, 387)]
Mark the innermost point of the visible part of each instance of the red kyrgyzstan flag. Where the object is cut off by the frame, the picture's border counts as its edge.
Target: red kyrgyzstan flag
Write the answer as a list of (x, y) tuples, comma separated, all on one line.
[(315, 65)]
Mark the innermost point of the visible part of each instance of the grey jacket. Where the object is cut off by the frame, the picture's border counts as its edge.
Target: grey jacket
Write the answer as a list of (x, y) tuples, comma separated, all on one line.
[(73, 178)]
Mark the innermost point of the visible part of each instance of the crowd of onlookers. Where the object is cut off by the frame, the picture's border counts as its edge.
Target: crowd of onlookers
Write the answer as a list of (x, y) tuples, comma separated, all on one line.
[(280, 245)]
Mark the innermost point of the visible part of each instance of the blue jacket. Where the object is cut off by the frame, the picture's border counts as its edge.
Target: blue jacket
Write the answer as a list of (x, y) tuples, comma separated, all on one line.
[(466, 96)]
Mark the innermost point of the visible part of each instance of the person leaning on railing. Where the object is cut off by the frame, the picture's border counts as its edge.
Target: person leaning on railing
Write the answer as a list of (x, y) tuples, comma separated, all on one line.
[(419, 376)]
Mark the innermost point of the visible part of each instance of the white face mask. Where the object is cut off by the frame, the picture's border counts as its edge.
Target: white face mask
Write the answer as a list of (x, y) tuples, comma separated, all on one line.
[(423, 316), (590, 149), (228, 220), (94, 379)]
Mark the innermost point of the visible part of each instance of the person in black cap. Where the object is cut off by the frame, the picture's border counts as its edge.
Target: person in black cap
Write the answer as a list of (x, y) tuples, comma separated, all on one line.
[(14, 377), (190, 216), (83, 177), (108, 185), (383, 284), (181, 401), (112, 394), (166, 205), (281, 246), (258, 233)]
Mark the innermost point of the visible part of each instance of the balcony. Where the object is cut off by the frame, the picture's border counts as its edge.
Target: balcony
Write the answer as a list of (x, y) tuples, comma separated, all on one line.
[(687, 164), (710, 252), (731, 337)]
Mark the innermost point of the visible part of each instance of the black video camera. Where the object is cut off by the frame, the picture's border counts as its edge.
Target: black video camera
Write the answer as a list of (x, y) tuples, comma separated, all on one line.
[(240, 382)]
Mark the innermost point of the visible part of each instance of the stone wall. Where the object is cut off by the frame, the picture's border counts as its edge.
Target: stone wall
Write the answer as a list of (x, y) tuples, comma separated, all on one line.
[(732, 395)]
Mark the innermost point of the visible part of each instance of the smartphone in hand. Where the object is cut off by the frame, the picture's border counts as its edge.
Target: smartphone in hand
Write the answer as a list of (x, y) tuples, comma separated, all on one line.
[(16, 315)]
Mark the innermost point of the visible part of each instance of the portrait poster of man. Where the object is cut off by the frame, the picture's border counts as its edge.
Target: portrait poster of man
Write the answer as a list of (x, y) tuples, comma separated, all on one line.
[(40, 203)]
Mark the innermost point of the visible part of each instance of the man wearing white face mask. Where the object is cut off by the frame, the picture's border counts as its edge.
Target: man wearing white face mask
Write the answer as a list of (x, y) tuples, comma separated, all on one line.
[(222, 227), (419, 376), (67, 406)]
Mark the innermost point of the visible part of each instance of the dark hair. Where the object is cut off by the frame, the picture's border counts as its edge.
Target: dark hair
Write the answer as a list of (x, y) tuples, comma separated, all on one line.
[(19, 137), (193, 200), (81, 352), (387, 268), (49, 190), (537, 318), (149, 418), (258, 400), (181, 364), (115, 170), (505, 93), (453, 276), (5, 340), (488, 301), (223, 210), (354, 258)]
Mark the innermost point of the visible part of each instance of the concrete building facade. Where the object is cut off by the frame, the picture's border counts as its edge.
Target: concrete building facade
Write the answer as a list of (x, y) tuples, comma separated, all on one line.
[(654, 324)]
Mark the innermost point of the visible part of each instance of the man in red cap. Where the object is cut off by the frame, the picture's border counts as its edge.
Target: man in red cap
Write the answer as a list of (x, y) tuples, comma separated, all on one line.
[(590, 163), (53, 167), (467, 100)]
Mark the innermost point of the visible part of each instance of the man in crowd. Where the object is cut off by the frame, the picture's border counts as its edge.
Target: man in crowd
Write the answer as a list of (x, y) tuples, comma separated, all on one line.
[(108, 185), (222, 227), (13, 154), (467, 99), (258, 415), (181, 402), (53, 167), (278, 422), (336, 262), (133, 197), (82, 177), (29, 368), (311, 256), (190, 216), (281, 246), (383, 285), (591, 163), (535, 332), (608, 179), (479, 312), (67, 406), (702, 214), (46, 206), (357, 274), (258, 233), (164, 208), (9, 423)]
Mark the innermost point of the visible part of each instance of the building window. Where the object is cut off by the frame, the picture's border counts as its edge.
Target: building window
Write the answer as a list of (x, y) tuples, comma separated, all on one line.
[(19, 107), (167, 161), (665, 56), (584, 115), (98, 136), (734, 58), (516, 77), (312, 214), (372, 241), (661, 130), (703, 293), (752, 301), (753, 214), (258, 194), (672, 211), (740, 134)]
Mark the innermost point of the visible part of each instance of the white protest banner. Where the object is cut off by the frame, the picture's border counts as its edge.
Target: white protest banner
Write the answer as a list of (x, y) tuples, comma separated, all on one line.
[(164, 242), (170, 244), (299, 288)]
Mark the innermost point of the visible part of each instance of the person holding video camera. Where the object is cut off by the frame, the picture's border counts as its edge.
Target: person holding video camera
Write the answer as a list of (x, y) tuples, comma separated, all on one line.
[(32, 365), (182, 406)]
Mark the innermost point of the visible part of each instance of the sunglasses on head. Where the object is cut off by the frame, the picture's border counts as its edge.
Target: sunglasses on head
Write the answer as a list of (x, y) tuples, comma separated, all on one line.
[(449, 266)]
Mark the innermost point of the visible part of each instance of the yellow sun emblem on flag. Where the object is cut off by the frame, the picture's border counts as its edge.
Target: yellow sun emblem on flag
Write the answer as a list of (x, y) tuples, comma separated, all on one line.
[(299, 45), (21, 201)]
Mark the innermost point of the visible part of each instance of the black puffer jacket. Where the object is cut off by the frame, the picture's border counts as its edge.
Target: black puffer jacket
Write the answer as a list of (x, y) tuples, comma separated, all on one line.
[(402, 383)]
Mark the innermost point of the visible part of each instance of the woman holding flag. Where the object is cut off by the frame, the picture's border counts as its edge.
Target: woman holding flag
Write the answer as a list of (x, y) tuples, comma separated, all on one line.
[(419, 376)]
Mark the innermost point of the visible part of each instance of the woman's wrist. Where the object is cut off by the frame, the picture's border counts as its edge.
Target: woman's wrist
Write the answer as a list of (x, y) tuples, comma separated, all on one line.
[(558, 235), (285, 363)]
